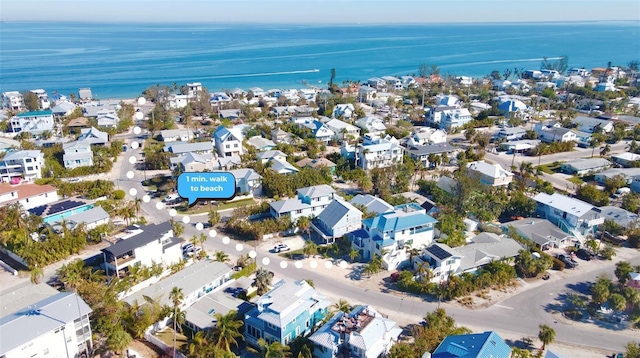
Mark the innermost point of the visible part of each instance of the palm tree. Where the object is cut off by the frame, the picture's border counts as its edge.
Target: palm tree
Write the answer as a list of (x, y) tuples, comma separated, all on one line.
[(202, 238), (353, 254), (36, 274), (547, 335), (228, 329), (214, 218), (342, 305), (136, 205), (605, 150), (263, 281), (200, 347), (273, 350), (310, 248), (176, 296), (304, 224), (178, 228), (221, 256)]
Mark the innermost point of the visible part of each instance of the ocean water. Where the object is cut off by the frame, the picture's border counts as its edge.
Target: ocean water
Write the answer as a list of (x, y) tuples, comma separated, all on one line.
[(121, 60)]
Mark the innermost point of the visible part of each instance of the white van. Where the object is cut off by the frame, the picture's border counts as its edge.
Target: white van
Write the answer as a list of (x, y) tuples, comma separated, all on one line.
[(621, 192), (171, 197)]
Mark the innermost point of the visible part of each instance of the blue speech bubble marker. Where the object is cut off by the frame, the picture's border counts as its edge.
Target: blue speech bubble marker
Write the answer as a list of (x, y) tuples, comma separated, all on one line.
[(216, 185)]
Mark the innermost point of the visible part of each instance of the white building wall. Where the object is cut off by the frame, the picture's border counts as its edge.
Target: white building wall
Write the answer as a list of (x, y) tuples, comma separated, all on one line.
[(64, 343), (39, 200)]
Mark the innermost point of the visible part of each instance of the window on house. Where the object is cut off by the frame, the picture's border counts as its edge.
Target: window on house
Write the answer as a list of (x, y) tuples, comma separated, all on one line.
[(308, 323), (227, 146), (297, 331), (298, 211), (235, 145), (29, 168), (271, 326)]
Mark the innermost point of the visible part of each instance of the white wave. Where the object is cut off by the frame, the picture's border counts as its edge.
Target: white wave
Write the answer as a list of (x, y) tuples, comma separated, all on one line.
[(262, 74)]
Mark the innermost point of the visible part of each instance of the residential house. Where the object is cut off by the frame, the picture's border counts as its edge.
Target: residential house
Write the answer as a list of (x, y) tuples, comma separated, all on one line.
[(520, 146), (265, 157), (219, 97), (85, 95), (77, 154), (8, 144), (231, 114), (24, 164), (585, 166), (448, 117), (605, 86), (445, 261), (511, 133), (372, 125), (257, 92), (542, 232), (376, 82), (421, 153), (194, 162), (336, 220), (289, 310), (89, 219), (343, 110), (143, 245), (626, 159), (372, 204), (320, 131), (555, 134), (427, 136), (39, 321), (247, 181), (309, 202), (380, 153), (282, 166), (28, 196), (569, 214), (317, 164), (392, 83), (593, 125), (107, 118), (43, 98), (392, 233), (201, 315), (473, 345), (195, 281), (362, 333), (63, 109), (33, 122), (367, 93), (343, 131), (490, 174), (261, 144), (620, 216), (281, 137), (176, 135), (634, 280), (283, 110), (13, 101), (626, 173), (94, 136), (543, 85), (228, 141), (194, 89), (177, 101), (180, 148)]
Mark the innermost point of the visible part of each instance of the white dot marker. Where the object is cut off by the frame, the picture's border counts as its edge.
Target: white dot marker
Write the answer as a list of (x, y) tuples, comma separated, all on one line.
[(298, 264), (135, 145), (130, 174), (253, 254), (173, 212), (239, 247), (137, 130), (133, 191), (133, 160), (199, 226), (212, 233), (159, 206), (283, 264), (343, 264), (146, 198), (266, 261), (186, 219), (313, 264), (226, 240), (328, 264)]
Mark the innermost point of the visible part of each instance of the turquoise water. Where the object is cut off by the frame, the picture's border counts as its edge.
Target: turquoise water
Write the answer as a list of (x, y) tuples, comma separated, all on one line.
[(65, 214), (121, 60)]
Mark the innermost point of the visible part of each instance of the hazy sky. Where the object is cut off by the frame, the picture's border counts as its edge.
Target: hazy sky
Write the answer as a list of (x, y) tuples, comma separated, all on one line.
[(318, 11)]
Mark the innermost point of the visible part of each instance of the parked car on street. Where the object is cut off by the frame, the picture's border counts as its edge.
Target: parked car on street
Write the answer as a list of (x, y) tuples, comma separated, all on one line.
[(583, 254), (568, 261), (281, 248)]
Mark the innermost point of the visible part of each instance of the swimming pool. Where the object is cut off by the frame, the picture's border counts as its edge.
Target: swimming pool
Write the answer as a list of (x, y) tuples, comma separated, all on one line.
[(57, 217)]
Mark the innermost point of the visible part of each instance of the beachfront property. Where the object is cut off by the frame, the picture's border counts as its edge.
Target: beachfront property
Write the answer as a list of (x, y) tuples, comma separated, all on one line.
[(37, 320), (422, 153), (569, 214), (43, 98), (177, 101), (336, 220), (32, 122), (626, 159), (361, 333), (142, 245), (289, 310), (20, 165), (372, 125), (473, 345), (28, 196), (77, 154), (593, 125), (176, 135), (585, 166), (395, 232), (343, 131), (445, 261), (228, 141), (194, 89), (248, 181), (542, 232), (309, 202), (490, 174), (13, 101)]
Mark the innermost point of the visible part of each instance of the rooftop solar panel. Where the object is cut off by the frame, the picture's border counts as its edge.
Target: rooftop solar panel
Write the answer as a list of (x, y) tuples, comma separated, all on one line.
[(38, 210), (438, 252), (62, 206)]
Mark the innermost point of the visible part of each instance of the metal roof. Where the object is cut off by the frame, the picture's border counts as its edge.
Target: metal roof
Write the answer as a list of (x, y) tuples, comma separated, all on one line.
[(335, 211), (564, 203), (475, 345), (150, 233)]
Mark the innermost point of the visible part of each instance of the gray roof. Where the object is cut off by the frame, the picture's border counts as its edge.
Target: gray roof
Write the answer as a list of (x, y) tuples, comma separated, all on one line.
[(282, 165), (270, 154), (190, 157), (288, 205), (94, 135), (558, 131), (150, 233), (260, 142), (29, 323), (618, 215), (77, 144), (77, 155), (182, 147), (316, 191), (335, 211), (540, 231), (590, 121), (202, 312), (90, 216), (247, 174), (22, 154), (625, 172), (588, 163), (286, 300), (170, 133), (372, 203), (63, 107), (85, 93), (26, 294), (432, 149), (481, 253), (190, 279)]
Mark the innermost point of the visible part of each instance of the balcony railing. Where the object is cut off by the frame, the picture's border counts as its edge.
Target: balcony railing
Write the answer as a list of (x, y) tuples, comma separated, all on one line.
[(122, 260)]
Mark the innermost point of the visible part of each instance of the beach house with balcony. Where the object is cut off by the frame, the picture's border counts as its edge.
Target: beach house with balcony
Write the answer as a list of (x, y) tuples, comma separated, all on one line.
[(77, 154), (24, 164), (142, 245), (337, 219), (320, 131), (13, 101), (389, 235), (426, 136), (228, 141), (289, 310), (309, 202), (361, 333), (569, 214), (421, 153), (43, 98), (32, 122), (378, 153)]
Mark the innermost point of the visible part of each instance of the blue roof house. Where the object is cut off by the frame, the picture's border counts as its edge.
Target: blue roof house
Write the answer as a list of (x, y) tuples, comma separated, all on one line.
[(475, 345), (406, 227), (289, 310)]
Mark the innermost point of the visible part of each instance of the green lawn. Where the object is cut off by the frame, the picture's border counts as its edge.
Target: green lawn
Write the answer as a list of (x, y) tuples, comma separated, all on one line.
[(549, 168), (167, 337), (199, 209), (157, 183), (576, 180)]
